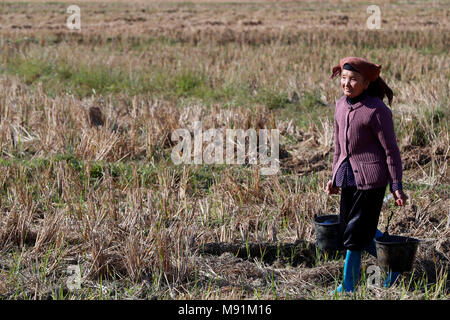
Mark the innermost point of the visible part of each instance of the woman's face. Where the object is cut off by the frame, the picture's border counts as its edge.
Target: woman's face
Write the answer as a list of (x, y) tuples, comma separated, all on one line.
[(353, 83)]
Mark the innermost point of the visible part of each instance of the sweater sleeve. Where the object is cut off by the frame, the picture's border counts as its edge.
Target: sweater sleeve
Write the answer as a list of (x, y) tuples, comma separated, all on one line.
[(383, 127), (337, 147), (396, 186)]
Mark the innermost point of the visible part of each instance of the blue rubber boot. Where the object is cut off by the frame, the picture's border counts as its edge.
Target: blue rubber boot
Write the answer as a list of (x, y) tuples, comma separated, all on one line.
[(351, 272), (390, 278), (370, 248)]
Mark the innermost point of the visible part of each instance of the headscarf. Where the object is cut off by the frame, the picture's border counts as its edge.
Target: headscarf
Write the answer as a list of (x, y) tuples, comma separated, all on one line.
[(369, 71)]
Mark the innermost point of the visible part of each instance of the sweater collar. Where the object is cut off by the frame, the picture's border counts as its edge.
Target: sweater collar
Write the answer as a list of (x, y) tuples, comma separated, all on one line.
[(355, 102)]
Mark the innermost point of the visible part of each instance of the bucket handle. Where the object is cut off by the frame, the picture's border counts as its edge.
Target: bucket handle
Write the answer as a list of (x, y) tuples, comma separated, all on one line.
[(387, 225)]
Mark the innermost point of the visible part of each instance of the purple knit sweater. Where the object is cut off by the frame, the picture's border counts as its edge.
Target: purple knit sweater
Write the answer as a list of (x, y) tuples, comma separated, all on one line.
[(364, 134)]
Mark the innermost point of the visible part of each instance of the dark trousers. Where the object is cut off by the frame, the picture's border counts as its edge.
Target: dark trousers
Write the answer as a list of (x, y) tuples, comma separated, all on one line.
[(359, 214)]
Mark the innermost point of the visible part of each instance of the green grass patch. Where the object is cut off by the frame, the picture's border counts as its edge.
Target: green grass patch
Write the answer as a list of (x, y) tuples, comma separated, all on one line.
[(61, 77), (272, 99)]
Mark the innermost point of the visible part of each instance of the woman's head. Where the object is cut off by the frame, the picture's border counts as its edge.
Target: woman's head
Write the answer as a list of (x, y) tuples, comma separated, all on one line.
[(358, 74), (353, 83)]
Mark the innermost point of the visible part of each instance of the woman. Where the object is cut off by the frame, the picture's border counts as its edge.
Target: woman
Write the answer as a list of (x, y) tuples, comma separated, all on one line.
[(366, 159)]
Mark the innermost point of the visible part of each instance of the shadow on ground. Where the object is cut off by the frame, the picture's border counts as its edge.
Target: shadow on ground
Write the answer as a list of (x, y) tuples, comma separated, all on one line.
[(300, 252)]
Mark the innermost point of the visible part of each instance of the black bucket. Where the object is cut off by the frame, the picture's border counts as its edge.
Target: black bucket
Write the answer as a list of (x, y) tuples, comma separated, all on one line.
[(396, 252), (327, 232)]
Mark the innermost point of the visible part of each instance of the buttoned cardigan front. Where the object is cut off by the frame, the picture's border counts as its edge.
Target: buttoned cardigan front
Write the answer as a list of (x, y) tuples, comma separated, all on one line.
[(364, 133)]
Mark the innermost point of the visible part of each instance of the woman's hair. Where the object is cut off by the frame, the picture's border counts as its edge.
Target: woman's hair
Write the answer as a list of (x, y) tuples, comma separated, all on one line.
[(380, 89)]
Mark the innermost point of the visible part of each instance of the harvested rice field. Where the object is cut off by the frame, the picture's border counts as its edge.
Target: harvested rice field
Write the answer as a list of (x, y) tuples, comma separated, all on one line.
[(92, 204)]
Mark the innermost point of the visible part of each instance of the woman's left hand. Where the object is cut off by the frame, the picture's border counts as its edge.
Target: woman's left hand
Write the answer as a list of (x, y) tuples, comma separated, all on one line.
[(400, 198)]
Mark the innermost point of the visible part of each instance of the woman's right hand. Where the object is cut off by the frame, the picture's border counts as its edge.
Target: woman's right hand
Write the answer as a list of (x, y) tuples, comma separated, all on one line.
[(331, 189), (400, 198)]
